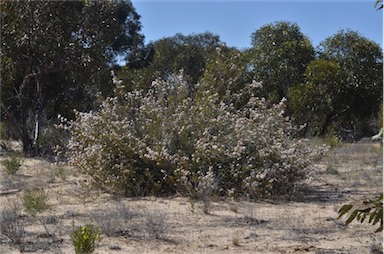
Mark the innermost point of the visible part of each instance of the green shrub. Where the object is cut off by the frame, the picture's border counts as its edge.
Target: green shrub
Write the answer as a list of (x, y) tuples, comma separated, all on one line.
[(85, 238), (12, 164), (333, 141), (35, 202), (7, 131), (236, 241)]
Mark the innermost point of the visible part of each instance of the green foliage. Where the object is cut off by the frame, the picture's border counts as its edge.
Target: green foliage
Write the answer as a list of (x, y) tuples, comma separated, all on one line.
[(4, 135), (50, 138), (377, 4), (342, 91), (85, 238), (236, 240), (8, 72), (12, 164), (56, 55), (280, 53), (2, 130), (332, 141), (313, 101), (227, 74), (371, 209), (357, 92), (35, 202), (170, 55)]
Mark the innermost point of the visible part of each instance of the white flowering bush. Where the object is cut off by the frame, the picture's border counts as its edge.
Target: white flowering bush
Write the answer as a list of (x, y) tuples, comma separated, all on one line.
[(164, 141)]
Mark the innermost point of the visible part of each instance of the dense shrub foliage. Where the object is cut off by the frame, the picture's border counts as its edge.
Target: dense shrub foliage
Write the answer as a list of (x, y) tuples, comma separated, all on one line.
[(164, 141)]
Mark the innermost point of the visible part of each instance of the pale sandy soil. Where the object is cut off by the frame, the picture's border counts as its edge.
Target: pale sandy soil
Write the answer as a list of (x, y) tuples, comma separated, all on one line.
[(170, 225)]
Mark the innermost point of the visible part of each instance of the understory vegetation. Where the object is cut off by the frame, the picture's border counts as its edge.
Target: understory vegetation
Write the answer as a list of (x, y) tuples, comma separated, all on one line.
[(45, 212)]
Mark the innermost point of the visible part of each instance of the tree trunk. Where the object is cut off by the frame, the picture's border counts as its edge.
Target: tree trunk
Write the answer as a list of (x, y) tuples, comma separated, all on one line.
[(39, 93), (30, 146), (21, 129), (330, 118), (28, 149)]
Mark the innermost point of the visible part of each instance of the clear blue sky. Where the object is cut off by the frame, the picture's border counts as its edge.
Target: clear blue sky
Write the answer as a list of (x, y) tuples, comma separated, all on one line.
[(235, 21)]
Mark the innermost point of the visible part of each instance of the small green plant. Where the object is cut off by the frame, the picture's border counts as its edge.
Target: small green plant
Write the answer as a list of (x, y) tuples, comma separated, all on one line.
[(333, 141), (12, 164), (60, 172), (236, 239), (373, 209), (85, 238), (35, 202), (192, 203), (331, 169)]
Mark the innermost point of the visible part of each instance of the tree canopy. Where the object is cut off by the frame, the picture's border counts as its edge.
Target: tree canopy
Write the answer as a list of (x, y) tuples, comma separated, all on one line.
[(361, 73), (342, 92), (227, 73), (58, 55), (169, 56), (280, 54)]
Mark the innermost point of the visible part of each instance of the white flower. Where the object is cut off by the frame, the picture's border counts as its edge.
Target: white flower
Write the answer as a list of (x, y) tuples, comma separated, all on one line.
[(164, 129)]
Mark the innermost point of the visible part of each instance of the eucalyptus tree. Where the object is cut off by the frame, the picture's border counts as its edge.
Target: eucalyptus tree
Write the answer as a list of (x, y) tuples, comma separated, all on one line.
[(280, 54), (169, 56), (342, 92), (57, 55), (311, 102), (228, 73), (360, 89)]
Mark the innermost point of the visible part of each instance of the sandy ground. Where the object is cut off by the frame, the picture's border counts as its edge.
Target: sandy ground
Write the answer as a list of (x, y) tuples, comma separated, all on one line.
[(308, 224)]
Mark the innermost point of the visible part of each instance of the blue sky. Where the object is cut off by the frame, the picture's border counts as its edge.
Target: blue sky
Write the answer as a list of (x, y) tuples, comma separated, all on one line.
[(235, 21)]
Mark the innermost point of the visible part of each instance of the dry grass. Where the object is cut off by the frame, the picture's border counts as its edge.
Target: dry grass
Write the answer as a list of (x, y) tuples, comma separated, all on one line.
[(167, 225), (12, 223), (113, 219)]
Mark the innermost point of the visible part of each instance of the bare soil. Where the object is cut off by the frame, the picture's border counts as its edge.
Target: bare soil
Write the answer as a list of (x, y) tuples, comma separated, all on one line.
[(306, 224)]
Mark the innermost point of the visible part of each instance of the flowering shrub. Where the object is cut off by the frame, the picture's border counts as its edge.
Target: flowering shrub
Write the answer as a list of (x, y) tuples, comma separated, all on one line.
[(165, 141)]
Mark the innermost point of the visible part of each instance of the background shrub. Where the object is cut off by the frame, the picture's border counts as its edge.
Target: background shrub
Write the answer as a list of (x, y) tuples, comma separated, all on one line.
[(169, 139), (35, 202), (12, 164)]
